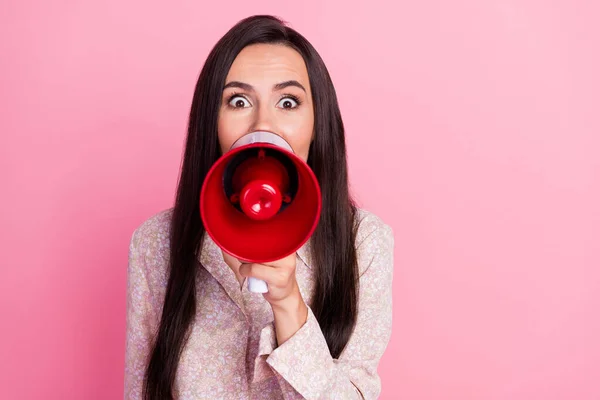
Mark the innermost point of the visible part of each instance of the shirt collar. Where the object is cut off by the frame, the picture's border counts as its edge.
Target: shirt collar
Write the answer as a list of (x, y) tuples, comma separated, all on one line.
[(305, 253), (211, 259)]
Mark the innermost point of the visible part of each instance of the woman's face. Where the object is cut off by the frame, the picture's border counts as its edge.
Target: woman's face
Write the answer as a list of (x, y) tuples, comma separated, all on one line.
[(267, 89)]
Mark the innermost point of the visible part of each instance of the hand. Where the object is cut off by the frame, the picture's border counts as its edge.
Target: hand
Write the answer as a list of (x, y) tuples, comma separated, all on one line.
[(289, 309), (280, 276)]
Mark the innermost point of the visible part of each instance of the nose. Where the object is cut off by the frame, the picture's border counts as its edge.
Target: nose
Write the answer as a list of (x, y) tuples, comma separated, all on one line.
[(263, 120)]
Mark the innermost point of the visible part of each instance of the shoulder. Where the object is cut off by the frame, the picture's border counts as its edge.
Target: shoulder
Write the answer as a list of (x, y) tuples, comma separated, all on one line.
[(374, 239), (370, 224), (150, 240), (153, 229)]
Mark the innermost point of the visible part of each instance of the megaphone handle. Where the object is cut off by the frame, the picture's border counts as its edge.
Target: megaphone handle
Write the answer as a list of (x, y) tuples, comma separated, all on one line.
[(257, 286)]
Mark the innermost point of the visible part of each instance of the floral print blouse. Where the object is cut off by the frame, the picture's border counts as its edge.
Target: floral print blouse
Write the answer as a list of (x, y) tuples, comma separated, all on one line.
[(232, 350)]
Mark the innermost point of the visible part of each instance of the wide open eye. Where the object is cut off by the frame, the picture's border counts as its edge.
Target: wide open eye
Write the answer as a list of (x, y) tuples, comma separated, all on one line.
[(288, 102), (238, 101)]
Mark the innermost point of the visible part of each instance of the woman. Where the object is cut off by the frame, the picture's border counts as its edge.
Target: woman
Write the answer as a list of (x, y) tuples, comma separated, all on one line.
[(193, 329)]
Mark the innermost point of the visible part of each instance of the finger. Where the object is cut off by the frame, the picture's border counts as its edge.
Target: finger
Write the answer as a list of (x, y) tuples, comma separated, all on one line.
[(271, 275)]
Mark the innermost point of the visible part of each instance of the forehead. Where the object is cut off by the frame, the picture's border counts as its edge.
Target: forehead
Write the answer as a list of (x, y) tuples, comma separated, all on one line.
[(268, 63)]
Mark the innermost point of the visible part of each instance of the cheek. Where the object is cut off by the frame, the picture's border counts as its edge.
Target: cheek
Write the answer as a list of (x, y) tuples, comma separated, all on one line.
[(299, 135), (301, 150), (228, 132)]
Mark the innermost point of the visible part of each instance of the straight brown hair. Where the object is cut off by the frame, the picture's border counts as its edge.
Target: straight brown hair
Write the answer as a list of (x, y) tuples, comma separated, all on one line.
[(335, 296)]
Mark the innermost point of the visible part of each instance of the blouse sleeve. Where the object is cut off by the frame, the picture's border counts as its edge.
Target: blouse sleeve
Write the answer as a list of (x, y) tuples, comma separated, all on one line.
[(140, 317), (303, 364)]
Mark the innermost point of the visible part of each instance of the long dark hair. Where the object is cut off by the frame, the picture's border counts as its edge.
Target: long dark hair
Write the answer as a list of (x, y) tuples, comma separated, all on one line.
[(335, 296)]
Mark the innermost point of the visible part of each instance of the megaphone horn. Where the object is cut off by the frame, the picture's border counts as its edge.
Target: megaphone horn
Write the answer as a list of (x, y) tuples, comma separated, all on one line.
[(259, 201)]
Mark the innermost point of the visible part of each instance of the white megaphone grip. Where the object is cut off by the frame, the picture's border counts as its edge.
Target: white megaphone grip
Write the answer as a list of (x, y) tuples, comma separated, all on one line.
[(256, 285)]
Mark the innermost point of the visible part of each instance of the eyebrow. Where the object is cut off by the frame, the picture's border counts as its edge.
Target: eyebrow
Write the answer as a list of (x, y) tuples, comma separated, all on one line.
[(276, 87)]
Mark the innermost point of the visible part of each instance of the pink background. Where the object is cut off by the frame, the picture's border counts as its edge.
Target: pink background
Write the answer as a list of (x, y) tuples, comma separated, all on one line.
[(473, 129)]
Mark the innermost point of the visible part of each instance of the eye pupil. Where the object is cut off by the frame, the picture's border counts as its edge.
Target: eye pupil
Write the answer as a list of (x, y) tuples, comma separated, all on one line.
[(287, 104), (239, 103)]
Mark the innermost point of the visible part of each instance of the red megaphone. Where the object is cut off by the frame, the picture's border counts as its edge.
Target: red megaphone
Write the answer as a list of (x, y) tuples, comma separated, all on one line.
[(259, 201)]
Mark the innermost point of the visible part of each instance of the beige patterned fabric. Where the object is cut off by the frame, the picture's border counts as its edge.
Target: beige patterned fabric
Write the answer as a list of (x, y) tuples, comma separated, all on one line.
[(232, 351)]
